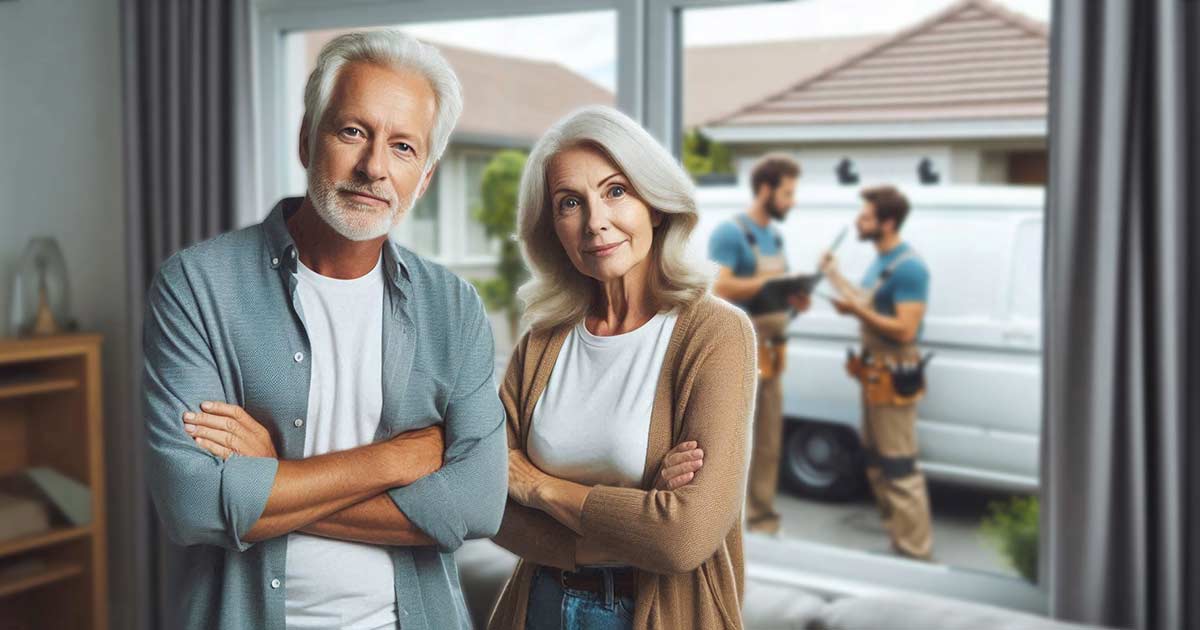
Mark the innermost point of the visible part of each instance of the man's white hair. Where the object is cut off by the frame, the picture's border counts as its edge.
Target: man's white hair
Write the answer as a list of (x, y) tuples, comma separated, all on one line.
[(393, 49)]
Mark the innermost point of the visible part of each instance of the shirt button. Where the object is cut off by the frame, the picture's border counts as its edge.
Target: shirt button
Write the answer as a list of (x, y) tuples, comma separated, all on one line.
[(299, 356), (298, 422), (274, 261), (275, 583)]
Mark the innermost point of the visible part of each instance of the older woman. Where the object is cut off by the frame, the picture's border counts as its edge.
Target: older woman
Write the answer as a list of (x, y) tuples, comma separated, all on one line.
[(627, 355)]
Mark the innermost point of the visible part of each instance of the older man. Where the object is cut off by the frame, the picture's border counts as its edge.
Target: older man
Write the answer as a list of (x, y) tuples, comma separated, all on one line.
[(322, 423)]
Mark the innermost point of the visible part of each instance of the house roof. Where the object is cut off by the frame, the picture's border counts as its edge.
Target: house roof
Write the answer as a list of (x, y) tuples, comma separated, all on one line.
[(973, 61), (505, 99), (719, 80)]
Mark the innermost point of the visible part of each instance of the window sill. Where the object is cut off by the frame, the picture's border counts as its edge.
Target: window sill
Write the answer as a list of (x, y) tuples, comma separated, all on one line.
[(832, 572)]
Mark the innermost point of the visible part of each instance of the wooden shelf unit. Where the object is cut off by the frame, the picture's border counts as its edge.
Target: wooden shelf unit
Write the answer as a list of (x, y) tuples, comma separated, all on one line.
[(50, 416)]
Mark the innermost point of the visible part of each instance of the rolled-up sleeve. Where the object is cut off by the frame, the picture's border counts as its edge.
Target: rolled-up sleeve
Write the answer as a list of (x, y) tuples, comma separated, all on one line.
[(201, 499), (465, 498)]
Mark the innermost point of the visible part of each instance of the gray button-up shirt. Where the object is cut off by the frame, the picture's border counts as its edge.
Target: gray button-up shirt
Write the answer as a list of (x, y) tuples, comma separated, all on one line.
[(223, 322)]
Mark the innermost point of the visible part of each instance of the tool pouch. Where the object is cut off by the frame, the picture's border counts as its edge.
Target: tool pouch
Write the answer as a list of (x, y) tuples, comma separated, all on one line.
[(772, 359), (854, 365), (893, 386), (909, 382)]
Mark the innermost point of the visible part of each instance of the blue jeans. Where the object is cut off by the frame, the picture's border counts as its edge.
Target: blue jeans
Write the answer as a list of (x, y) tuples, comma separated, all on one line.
[(552, 607)]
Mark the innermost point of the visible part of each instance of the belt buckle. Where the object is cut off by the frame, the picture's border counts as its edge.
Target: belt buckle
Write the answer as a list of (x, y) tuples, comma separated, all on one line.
[(562, 578)]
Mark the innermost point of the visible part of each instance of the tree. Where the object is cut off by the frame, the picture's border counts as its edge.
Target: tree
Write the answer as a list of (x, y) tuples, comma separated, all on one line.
[(497, 212), (705, 156)]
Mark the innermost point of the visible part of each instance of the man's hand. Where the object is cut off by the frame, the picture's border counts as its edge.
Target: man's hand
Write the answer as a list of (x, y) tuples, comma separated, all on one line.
[(800, 301), (421, 452), (679, 466), (224, 429), (828, 263), (524, 479)]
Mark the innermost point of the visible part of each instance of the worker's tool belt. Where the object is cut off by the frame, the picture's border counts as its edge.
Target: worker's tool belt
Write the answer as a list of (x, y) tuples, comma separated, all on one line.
[(772, 357), (887, 381)]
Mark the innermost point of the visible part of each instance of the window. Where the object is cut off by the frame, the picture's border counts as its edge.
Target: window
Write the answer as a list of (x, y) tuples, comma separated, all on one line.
[(946, 101), (722, 82), (478, 244), (423, 222)]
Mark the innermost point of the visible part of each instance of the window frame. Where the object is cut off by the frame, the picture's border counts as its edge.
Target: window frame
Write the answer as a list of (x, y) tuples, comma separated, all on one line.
[(649, 88)]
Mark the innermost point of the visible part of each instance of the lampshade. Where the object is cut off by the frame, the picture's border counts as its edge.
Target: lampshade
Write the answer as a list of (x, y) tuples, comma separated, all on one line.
[(40, 300)]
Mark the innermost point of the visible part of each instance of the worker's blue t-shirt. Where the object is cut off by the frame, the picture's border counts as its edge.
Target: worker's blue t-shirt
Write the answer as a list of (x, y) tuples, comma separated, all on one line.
[(728, 246), (909, 281)]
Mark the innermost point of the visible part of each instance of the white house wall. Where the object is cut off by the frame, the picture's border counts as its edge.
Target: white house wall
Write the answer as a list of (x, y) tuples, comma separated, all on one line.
[(896, 164), (958, 163)]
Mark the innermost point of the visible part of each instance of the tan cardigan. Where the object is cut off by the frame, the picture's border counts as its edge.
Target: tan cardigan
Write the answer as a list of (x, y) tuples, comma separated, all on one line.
[(686, 543)]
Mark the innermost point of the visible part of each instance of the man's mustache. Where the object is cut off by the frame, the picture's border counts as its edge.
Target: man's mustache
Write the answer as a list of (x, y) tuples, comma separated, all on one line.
[(365, 190)]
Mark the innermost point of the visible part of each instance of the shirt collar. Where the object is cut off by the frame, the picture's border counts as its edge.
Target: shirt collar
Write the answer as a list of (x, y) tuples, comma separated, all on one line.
[(281, 249)]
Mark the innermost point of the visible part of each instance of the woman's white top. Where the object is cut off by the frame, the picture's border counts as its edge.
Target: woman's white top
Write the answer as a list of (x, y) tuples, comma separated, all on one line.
[(592, 423)]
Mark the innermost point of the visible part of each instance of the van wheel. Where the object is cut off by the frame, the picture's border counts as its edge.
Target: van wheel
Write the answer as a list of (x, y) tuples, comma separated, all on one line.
[(822, 461)]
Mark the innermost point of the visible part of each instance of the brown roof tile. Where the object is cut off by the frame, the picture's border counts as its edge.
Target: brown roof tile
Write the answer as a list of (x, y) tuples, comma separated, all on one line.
[(505, 99), (974, 60), (718, 80)]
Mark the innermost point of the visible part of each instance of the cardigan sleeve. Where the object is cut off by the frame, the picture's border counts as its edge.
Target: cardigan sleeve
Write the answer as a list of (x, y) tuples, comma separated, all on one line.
[(675, 531), (530, 534)]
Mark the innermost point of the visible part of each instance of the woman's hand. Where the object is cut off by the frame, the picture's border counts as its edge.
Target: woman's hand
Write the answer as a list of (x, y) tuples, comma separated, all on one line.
[(679, 466), (224, 429), (524, 479)]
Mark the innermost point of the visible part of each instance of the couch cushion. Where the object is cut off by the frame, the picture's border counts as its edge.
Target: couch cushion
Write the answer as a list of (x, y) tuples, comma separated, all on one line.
[(770, 605), (924, 612)]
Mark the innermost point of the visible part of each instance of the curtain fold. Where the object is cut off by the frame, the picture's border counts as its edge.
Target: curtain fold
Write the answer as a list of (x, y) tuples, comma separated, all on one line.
[(1121, 490), (187, 70)]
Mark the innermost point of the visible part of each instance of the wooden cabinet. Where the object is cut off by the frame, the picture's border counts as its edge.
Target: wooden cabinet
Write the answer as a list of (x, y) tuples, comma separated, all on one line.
[(50, 416)]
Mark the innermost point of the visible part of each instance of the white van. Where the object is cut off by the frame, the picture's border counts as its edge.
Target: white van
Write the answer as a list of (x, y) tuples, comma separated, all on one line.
[(980, 421)]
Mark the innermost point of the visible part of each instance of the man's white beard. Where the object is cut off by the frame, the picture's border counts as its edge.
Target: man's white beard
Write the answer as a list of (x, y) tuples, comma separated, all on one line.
[(356, 222)]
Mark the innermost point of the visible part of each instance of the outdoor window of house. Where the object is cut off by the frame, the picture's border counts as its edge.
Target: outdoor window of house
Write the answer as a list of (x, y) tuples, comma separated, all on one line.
[(519, 76), (947, 101)]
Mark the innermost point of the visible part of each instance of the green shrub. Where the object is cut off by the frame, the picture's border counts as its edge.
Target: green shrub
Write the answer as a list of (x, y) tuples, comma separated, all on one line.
[(705, 156), (498, 215), (1012, 526)]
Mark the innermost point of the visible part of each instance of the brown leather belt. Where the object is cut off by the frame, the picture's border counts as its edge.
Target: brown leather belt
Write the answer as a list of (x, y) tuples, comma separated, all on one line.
[(592, 581)]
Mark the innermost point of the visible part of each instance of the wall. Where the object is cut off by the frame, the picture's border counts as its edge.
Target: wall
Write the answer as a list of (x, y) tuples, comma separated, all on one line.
[(61, 168), (963, 162)]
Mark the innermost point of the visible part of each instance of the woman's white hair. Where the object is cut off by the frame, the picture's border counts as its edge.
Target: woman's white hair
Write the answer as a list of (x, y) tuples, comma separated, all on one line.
[(558, 293), (392, 49)]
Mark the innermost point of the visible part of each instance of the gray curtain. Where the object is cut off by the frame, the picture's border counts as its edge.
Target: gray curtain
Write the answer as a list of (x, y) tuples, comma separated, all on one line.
[(1121, 457), (188, 111)]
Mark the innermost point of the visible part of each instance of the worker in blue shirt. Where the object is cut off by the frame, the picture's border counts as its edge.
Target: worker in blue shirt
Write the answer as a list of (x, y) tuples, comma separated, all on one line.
[(890, 306), (749, 252)]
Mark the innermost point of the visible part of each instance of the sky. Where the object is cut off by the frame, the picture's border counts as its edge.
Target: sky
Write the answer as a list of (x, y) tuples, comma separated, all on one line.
[(586, 42)]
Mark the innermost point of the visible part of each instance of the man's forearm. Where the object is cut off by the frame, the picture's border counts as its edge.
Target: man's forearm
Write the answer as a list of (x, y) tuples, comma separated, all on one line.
[(376, 521), (844, 286), (891, 327), (308, 490)]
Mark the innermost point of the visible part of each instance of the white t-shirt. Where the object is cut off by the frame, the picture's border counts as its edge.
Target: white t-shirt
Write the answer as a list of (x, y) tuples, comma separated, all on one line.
[(332, 583), (592, 423)]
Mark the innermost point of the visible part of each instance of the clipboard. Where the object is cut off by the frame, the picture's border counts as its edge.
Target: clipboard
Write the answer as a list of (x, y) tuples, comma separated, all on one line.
[(774, 295)]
